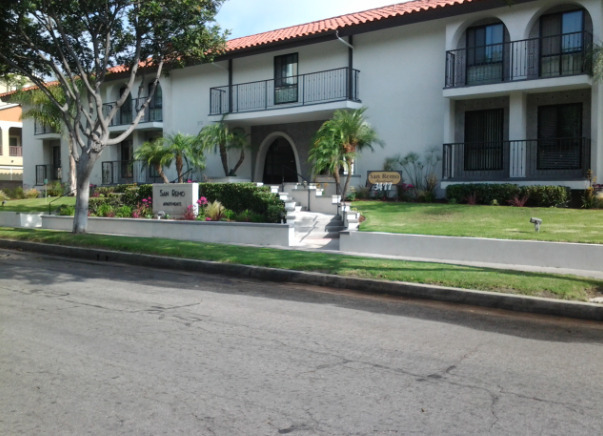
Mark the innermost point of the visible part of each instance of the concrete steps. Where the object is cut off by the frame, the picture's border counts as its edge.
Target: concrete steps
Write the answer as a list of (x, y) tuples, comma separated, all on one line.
[(312, 229)]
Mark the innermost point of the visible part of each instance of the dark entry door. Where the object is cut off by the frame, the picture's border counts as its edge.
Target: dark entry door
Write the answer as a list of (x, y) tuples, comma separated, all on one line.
[(56, 162), (280, 165), (559, 136)]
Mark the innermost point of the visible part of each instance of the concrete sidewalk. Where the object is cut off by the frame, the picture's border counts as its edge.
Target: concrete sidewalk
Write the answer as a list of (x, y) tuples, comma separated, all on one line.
[(543, 306)]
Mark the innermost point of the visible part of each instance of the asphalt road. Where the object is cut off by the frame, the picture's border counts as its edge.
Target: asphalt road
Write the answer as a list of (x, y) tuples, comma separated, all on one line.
[(102, 349)]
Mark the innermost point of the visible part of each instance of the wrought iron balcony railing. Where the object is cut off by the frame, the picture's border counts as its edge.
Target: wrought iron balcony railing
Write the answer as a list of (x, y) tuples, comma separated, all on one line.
[(15, 150), (125, 114), (302, 90), (529, 59), (537, 159), (42, 129), (46, 174), (127, 171)]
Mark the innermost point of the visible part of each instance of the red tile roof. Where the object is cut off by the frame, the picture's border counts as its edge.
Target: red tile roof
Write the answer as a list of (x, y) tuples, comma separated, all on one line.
[(324, 26), (339, 23)]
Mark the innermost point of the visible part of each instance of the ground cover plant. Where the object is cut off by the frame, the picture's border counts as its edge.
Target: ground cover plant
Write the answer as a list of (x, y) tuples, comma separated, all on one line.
[(468, 277), (559, 225)]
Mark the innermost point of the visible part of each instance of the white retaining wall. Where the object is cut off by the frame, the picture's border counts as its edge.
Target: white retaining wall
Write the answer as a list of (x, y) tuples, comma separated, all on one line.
[(199, 231), (587, 257), (18, 219)]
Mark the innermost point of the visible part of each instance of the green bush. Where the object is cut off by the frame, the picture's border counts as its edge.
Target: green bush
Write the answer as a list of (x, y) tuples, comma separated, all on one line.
[(503, 194), (245, 196), (105, 210), (55, 189), (66, 210), (248, 216), (3, 196), (32, 193), (123, 212), (16, 193), (485, 193), (94, 204), (546, 195)]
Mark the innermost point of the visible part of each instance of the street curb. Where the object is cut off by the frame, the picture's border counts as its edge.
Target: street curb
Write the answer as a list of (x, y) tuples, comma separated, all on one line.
[(517, 303)]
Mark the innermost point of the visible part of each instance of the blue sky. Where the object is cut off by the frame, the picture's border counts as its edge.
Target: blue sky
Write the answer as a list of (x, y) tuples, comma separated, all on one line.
[(247, 17)]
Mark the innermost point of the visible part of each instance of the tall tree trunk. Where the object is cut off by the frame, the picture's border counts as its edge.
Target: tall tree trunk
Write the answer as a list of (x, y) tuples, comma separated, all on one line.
[(84, 170), (348, 163), (159, 169), (179, 165), (72, 169), (224, 159), (337, 181), (239, 163)]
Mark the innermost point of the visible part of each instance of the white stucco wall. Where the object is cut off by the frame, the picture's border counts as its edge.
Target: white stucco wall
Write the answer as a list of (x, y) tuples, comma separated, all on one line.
[(402, 72)]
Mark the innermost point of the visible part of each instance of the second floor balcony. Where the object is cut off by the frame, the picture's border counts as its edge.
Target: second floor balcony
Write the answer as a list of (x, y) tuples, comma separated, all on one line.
[(126, 114), (128, 171), (15, 150), (568, 54), (302, 90), (43, 129)]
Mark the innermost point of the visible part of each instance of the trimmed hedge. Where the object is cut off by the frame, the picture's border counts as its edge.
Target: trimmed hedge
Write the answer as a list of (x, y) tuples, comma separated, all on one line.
[(239, 197), (503, 194)]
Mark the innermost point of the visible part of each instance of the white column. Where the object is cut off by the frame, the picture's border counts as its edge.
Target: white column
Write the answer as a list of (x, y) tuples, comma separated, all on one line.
[(449, 125), (517, 132), (3, 140), (596, 134)]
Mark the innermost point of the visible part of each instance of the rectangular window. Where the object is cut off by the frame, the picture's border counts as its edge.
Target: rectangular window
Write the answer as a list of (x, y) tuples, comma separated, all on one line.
[(285, 78), (560, 136), (56, 162), (562, 43), (127, 166), (484, 140), (485, 48)]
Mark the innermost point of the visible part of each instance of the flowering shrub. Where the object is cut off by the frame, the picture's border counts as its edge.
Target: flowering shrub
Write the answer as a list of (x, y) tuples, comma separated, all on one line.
[(190, 214), (144, 209)]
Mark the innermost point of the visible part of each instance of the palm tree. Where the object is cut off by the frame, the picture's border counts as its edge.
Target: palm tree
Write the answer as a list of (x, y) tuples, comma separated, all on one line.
[(218, 137), (338, 140), (154, 154), (45, 112), (325, 161), (185, 148)]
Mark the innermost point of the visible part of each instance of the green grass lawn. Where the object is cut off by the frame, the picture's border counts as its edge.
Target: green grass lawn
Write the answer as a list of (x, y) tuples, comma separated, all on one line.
[(486, 279), (31, 205), (561, 225)]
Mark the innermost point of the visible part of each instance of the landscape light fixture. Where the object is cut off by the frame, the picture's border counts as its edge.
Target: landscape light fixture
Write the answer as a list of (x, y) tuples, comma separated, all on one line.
[(536, 222)]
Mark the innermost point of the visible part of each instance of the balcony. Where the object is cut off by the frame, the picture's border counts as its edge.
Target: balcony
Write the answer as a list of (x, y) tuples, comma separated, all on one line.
[(43, 129), (46, 174), (15, 150), (125, 114), (538, 159), (127, 171), (529, 59), (302, 90)]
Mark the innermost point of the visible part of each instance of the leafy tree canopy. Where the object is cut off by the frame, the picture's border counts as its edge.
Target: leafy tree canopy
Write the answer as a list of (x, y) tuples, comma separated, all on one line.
[(80, 44)]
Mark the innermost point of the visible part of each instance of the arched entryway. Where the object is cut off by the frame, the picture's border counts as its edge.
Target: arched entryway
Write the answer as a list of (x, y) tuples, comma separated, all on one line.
[(280, 165)]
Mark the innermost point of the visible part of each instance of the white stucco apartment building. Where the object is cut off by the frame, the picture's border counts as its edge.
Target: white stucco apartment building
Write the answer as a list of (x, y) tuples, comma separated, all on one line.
[(504, 93)]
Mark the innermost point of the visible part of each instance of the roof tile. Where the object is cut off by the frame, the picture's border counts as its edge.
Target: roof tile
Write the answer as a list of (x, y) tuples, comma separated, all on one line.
[(338, 23)]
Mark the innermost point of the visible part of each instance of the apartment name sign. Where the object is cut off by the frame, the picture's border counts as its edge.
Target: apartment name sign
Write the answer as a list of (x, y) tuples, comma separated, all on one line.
[(174, 199), (383, 180)]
